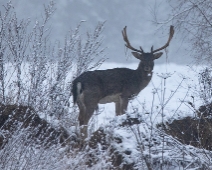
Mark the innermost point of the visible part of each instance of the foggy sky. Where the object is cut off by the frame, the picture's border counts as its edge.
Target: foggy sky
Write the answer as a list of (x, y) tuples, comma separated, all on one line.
[(137, 15)]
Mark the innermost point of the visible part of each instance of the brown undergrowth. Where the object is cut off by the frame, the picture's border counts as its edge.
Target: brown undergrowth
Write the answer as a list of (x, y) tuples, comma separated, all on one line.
[(195, 131), (15, 119)]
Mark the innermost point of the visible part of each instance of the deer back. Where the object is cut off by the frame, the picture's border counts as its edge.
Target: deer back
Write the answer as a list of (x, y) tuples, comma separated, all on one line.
[(123, 81)]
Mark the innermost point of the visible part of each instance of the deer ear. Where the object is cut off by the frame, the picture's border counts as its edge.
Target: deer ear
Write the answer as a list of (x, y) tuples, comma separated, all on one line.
[(157, 55), (136, 55)]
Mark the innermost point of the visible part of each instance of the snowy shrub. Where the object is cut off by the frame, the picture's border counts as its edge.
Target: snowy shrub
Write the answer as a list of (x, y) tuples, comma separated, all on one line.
[(35, 80), (38, 73), (29, 142), (205, 78)]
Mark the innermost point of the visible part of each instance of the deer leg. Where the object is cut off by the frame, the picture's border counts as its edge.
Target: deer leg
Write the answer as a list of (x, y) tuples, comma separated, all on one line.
[(82, 120), (87, 107), (118, 111), (123, 105)]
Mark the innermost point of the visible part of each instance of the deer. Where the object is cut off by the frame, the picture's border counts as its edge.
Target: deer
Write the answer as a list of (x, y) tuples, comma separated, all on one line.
[(118, 85)]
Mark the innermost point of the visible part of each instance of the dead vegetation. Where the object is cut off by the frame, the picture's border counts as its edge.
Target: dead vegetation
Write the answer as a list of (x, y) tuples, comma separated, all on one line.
[(103, 147), (13, 118), (195, 131)]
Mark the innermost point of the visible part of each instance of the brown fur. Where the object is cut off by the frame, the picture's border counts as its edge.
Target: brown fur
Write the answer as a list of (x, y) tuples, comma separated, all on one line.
[(117, 85)]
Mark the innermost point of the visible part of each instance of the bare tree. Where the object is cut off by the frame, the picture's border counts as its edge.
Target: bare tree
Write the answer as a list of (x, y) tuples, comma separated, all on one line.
[(37, 72), (193, 19), (4, 20), (18, 40), (38, 57)]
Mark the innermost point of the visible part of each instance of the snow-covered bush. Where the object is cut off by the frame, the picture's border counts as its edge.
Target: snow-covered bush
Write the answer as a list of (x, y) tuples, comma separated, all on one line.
[(38, 73)]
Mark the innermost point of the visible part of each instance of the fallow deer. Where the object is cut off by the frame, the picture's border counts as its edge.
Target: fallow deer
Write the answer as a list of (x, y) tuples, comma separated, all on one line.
[(117, 85)]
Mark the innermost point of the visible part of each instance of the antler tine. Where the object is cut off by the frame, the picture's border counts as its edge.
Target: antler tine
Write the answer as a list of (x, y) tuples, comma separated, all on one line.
[(171, 33), (128, 45)]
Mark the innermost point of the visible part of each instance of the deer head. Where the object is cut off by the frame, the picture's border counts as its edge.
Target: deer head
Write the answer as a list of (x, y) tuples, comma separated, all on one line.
[(147, 59)]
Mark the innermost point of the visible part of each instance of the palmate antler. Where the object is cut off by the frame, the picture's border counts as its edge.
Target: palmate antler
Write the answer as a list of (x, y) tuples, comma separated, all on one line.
[(128, 45), (171, 33)]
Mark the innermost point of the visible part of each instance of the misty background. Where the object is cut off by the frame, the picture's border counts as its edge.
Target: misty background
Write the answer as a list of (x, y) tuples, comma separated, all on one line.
[(137, 15)]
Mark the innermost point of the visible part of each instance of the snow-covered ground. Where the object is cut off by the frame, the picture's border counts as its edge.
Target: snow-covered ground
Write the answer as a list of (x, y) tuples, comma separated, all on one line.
[(180, 85)]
